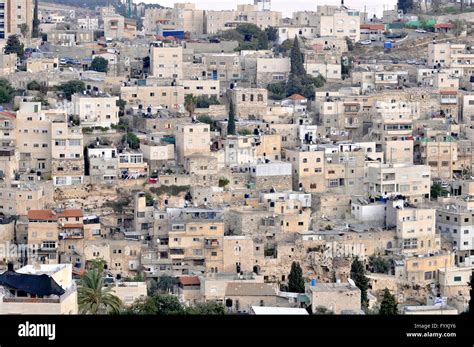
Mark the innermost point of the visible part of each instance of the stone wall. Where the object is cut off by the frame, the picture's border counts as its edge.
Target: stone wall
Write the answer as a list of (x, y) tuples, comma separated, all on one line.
[(276, 182)]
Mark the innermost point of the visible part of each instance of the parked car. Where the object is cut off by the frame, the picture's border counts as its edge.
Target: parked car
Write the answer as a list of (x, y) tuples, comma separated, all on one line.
[(365, 42), (421, 31)]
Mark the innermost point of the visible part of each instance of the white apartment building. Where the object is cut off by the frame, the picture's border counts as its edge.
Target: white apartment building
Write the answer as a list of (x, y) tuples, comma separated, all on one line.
[(96, 111), (192, 138), (166, 61), (455, 56), (411, 181), (339, 23), (15, 14), (88, 23), (67, 153), (415, 228), (455, 221), (218, 20)]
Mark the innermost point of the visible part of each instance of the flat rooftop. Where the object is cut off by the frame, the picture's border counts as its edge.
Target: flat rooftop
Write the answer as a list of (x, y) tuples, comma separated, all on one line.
[(259, 310), (333, 287)]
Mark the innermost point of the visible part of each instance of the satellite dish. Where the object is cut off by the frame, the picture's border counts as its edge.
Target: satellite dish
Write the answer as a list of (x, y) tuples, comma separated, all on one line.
[(351, 282)]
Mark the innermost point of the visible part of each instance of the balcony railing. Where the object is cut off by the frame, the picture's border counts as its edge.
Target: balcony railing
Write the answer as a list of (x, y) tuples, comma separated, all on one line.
[(211, 244), (71, 235)]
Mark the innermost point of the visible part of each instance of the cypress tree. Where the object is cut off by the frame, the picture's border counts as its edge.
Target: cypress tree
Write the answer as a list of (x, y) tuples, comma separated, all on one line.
[(35, 28), (389, 304), (231, 122), (295, 279), (362, 282), (296, 57)]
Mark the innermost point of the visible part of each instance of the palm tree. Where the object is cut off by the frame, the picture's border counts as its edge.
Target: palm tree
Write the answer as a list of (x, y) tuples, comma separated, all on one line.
[(94, 298), (190, 102)]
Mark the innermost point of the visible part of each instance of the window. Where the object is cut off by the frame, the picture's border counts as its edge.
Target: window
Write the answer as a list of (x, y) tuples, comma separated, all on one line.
[(333, 183), (74, 142)]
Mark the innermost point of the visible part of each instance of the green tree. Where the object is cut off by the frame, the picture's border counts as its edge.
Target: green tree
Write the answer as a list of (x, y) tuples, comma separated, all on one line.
[(272, 33), (94, 297), (121, 105), (144, 306), (388, 305), (294, 85), (361, 281), (231, 122), (346, 65), (99, 64), (254, 35), (379, 264), (285, 46), (98, 264), (167, 305), (165, 283), (249, 36), (6, 91), (438, 190), (33, 85), (14, 46), (72, 87), (244, 132), (322, 310), (35, 32), (132, 140), (297, 67), (208, 120), (24, 29), (277, 90), (206, 308), (203, 101), (190, 102), (295, 279), (223, 182), (405, 5)]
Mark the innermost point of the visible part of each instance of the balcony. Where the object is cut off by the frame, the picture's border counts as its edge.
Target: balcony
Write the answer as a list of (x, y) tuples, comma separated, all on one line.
[(70, 235), (32, 300), (48, 247), (211, 243), (176, 253), (351, 125)]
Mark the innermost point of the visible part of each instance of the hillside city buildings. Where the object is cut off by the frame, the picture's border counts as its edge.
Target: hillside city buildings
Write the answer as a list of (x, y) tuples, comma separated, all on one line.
[(183, 142)]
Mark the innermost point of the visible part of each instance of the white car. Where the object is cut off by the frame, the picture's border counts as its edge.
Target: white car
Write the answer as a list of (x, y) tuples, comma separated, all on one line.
[(365, 42), (421, 31)]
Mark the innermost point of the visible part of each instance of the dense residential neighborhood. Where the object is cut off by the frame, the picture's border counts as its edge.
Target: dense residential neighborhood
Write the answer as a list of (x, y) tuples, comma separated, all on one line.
[(178, 160)]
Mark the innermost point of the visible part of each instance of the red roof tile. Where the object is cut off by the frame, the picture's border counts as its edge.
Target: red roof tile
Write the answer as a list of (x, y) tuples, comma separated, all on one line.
[(42, 215), (71, 213), (10, 115), (296, 97), (373, 26), (443, 26), (448, 92), (189, 280)]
